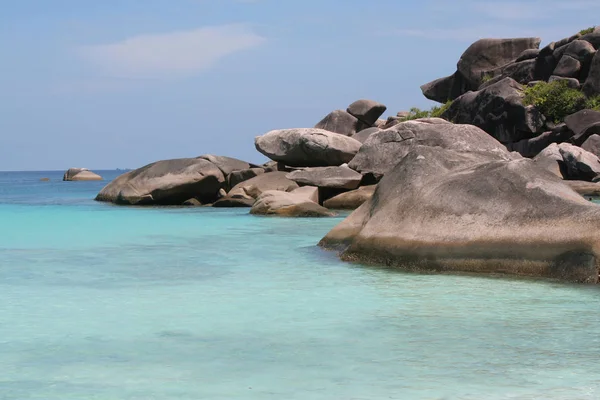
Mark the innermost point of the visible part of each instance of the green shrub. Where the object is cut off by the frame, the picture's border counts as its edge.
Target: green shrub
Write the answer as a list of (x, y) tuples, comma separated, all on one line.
[(593, 103), (435, 112), (555, 100), (588, 30), (486, 78)]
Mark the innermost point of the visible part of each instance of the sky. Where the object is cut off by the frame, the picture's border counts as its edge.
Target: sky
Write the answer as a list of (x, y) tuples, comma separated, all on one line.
[(122, 83)]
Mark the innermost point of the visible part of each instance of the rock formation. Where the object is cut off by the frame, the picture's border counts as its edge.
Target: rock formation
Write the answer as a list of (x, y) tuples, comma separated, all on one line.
[(80, 174)]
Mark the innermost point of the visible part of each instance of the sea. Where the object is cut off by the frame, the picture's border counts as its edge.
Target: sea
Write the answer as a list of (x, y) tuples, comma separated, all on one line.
[(109, 302)]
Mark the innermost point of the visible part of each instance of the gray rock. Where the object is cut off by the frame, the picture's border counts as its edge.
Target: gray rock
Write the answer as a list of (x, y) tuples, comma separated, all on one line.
[(592, 144), (447, 211), (307, 147), (363, 135), (80, 174), (339, 121), (192, 203), (498, 109), (383, 150), (330, 177), (243, 175), (571, 82), (528, 54), (310, 192), (273, 202), (580, 164), (585, 189), (440, 90), (226, 164), (391, 121), (567, 67), (233, 202), (252, 188), (367, 111), (350, 200), (593, 38), (167, 182), (532, 147), (583, 124), (591, 87), (551, 160), (580, 50)]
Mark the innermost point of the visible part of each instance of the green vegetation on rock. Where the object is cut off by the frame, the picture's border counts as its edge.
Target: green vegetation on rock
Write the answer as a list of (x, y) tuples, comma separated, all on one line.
[(434, 112), (588, 30), (556, 100)]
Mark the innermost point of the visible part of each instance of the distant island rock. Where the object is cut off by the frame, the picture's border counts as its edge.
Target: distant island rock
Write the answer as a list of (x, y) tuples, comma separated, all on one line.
[(81, 174)]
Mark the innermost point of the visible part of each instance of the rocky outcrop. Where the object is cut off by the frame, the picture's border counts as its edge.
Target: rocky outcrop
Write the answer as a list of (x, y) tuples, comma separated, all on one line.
[(363, 135), (383, 150), (227, 165), (329, 177), (366, 111), (591, 86), (339, 121), (167, 182), (583, 124), (483, 60), (243, 175), (572, 162), (80, 174), (499, 110), (350, 200), (532, 147), (307, 147), (592, 144), (244, 193), (274, 202), (444, 210)]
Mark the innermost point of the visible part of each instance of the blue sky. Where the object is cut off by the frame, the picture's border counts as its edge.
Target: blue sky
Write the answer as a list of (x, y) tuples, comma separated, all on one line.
[(121, 83)]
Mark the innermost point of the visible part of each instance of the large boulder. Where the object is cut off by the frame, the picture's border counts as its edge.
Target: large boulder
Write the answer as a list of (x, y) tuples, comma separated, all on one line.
[(592, 144), (274, 202), (244, 193), (226, 164), (367, 111), (363, 135), (583, 124), (243, 175), (339, 121), (350, 200), (329, 177), (80, 174), (444, 210), (552, 161), (591, 87), (568, 67), (383, 150), (580, 164), (532, 147), (440, 90), (167, 182), (307, 147), (499, 110)]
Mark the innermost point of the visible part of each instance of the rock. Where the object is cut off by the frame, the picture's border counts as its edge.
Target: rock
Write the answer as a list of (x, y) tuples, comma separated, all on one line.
[(593, 38), (310, 192), (585, 189), (551, 160), (580, 50), (443, 210), (383, 150), (522, 72), (440, 90), (367, 111), (192, 203), (498, 110), (226, 164), (545, 63), (592, 144), (487, 55), (350, 200), (391, 121), (583, 123), (330, 177), (532, 147), (273, 202), (233, 202), (571, 82), (528, 54), (379, 123), (44, 179), (243, 175), (363, 135), (80, 174), (307, 147), (591, 87), (339, 121), (252, 188), (567, 67), (580, 164), (167, 182)]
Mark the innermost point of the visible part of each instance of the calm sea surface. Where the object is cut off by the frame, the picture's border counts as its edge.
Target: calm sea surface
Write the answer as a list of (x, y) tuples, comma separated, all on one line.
[(106, 302)]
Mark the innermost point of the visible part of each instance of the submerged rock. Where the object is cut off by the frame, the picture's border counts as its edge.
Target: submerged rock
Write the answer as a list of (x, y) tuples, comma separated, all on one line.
[(307, 147), (444, 210), (167, 182), (80, 174), (274, 202)]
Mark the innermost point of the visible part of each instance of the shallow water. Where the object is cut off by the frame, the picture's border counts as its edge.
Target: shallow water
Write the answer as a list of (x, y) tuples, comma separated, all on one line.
[(106, 302)]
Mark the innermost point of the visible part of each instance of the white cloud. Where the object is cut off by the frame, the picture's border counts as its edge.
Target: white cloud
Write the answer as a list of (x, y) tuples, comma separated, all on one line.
[(174, 54)]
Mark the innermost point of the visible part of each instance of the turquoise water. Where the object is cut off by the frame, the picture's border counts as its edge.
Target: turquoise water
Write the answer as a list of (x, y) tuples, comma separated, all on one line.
[(106, 302)]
